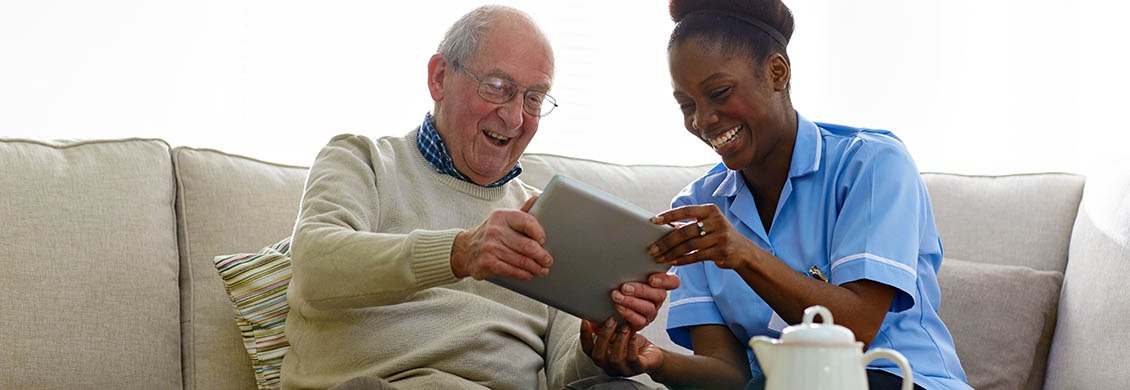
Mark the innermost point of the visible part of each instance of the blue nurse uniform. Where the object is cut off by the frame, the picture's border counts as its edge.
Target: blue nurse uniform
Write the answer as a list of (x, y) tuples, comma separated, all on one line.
[(853, 206)]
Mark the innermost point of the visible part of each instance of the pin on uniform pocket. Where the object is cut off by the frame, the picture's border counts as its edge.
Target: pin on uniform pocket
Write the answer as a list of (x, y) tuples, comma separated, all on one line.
[(817, 273)]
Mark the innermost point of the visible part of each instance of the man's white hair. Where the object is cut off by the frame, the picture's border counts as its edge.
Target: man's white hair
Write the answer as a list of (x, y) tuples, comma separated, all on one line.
[(461, 42)]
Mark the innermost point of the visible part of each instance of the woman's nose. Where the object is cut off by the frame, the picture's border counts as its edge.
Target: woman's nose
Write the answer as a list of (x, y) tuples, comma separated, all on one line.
[(703, 117)]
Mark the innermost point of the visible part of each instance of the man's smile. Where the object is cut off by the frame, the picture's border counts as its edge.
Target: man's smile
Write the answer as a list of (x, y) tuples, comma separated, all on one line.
[(498, 139)]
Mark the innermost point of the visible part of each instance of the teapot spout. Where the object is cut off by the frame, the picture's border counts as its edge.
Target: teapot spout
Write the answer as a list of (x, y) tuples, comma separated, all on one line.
[(763, 348)]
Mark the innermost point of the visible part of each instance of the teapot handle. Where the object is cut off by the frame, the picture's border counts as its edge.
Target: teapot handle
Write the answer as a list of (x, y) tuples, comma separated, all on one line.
[(895, 356)]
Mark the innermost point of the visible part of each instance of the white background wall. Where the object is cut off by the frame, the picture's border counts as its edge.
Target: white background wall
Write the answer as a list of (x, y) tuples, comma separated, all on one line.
[(972, 86)]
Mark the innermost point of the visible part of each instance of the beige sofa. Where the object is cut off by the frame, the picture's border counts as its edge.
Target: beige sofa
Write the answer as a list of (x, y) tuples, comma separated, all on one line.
[(107, 279)]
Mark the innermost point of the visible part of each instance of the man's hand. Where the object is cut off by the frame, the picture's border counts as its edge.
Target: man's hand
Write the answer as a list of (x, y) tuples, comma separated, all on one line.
[(509, 243), (639, 303)]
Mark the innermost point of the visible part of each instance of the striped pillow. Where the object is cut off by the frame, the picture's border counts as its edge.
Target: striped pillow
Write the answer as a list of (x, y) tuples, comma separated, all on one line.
[(256, 284)]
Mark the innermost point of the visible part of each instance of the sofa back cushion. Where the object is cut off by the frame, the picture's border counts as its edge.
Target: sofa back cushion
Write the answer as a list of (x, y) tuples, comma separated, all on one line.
[(88, 254), (649, 186), (1001, 318), (1012, 220), (1016, 220), (1089, 350), (225, 204)]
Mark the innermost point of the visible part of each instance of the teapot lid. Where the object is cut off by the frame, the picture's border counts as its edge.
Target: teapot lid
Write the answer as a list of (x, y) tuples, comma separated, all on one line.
[(809, 332)]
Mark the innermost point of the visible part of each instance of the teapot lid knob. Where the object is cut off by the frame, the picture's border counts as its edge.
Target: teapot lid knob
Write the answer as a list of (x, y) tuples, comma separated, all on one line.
[(810, 332), (811, 312)]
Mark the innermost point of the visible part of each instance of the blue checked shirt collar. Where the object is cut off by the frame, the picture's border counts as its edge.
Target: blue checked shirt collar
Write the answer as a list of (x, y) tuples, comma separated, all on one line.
[(435, 151)]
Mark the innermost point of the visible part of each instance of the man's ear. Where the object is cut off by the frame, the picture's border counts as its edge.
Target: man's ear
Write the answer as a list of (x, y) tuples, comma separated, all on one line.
[(779, 72), (437, 72)]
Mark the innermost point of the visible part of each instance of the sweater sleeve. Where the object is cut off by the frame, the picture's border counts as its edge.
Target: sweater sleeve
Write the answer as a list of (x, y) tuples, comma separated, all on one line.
[(565, 359), (340, 258)]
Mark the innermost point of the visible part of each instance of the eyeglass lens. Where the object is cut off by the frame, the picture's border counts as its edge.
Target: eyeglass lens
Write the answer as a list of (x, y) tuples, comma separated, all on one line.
[(499, 90)]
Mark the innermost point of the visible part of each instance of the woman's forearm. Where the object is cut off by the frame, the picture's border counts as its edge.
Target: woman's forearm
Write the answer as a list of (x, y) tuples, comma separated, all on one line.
[(697, 371), (859, 305)]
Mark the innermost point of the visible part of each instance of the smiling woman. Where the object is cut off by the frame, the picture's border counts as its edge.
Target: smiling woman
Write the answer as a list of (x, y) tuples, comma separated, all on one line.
[(972, 87)]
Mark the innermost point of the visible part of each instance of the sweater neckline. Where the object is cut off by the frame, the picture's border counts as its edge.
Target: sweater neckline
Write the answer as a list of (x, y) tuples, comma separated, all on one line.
[(469, 188)]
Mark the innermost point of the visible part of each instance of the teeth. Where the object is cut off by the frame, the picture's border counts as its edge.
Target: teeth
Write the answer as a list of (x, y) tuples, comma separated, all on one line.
[(501, 139), (725, 137)]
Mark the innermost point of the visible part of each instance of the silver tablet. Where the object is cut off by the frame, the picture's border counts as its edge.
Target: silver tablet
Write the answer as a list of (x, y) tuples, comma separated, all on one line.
[(597, 241)]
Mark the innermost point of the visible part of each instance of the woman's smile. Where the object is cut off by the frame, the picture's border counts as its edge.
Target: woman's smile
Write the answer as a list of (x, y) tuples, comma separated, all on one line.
[(725, 138)]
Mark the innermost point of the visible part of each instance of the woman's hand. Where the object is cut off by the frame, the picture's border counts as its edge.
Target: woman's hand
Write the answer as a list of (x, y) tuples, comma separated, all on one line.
[(708, 236), (618, 350)]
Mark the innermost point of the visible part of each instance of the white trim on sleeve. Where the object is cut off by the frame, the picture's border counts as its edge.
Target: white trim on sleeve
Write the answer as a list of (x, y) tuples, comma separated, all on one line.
[(819, 149), (880, 259), (685, 301)]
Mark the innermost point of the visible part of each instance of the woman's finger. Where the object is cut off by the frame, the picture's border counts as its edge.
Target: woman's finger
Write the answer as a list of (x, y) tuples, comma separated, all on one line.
[(636, 348), (681, 249), (587, 336), (620, 350), (600, 349), (679, 236), (683, 213), (721, 258)]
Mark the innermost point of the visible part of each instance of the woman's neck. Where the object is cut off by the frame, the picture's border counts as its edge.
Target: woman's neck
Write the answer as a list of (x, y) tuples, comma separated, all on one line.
[(766, 177)]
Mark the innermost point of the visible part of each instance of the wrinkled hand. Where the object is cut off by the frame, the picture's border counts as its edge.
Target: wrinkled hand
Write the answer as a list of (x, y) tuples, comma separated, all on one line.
[(639, 303), (618, 350), (708, 236), (508, 243)]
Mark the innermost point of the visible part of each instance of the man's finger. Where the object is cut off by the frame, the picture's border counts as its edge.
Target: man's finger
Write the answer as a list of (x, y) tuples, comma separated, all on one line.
[(636, 312), (529, 203), (527, 226), (500, 267), (526, 247), (525, 264), (666, 281), (645, 292)]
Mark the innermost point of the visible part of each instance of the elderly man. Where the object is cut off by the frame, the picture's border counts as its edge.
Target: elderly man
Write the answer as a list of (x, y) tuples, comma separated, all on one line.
[(396, 235)]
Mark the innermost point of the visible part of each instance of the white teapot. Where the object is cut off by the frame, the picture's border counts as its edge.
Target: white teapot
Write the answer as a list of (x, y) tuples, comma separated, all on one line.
[(820, 356)]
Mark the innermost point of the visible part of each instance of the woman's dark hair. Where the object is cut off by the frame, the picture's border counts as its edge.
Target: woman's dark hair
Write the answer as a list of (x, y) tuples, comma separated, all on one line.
[(758, 27)]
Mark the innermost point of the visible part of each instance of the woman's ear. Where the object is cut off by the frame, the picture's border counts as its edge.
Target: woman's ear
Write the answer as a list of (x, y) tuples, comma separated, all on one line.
[(437, 72), (778, 71)]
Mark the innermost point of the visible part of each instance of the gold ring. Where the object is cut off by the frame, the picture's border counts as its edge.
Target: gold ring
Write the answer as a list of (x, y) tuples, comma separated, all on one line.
[(701, 229)]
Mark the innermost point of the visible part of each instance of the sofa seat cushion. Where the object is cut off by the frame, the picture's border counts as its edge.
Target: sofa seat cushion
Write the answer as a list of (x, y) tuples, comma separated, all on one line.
[(225, 204), (1001, 318), (88, 266)]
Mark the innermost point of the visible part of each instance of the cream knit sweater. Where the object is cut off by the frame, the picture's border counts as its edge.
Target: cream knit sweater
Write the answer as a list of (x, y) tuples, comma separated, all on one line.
[(373, 292)]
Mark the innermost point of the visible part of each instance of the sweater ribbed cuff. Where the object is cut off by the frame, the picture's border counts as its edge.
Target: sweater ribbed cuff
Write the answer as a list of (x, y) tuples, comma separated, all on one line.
[(432, 257)]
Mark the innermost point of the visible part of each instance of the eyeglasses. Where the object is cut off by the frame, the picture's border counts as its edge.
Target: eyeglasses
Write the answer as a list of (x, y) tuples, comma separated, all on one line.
[(498, 90)]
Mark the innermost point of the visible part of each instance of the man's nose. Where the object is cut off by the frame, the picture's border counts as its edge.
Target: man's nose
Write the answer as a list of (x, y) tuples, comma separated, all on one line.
[(512, 112)]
